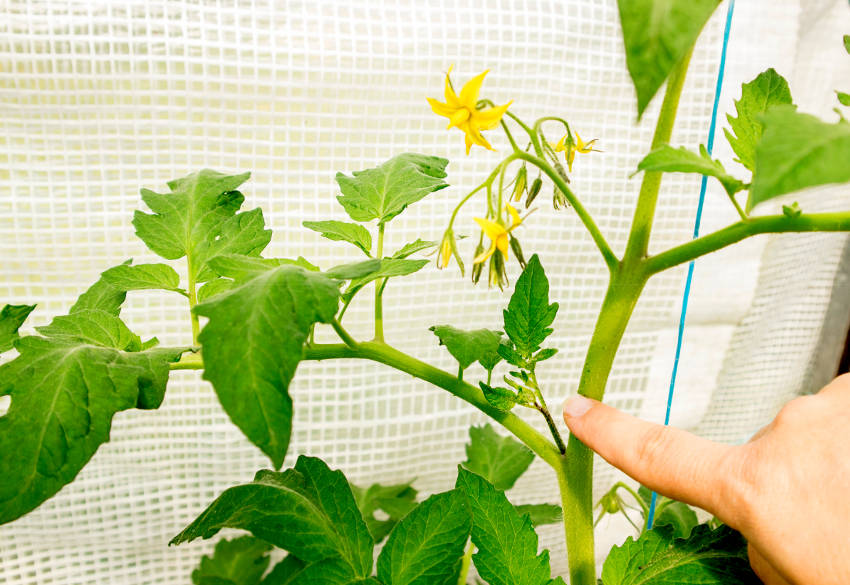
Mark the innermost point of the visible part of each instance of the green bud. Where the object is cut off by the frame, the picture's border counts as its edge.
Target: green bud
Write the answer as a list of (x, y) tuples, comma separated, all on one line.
[(792, 210), (610, 502), (558, 199), (498, 276), (517, 250), (533, 191), (476, 268), (519, 185)]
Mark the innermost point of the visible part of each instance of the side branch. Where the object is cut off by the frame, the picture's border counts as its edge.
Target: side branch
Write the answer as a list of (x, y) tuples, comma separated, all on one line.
[(608, 255), (814, 222), (380, 352)]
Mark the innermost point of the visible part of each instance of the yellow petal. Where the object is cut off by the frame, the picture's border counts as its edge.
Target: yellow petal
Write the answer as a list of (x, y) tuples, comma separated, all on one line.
[(451, 96), (468, 141), (560, 147), (487, 119), (484, 255), (459, 116), (503, 245), (491, 228), (571, 156), (440, 108), (476, 137), (470, 91), (515, 218)]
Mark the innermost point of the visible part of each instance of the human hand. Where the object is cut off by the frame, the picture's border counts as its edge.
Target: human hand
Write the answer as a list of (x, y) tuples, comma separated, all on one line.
[(787, 490)]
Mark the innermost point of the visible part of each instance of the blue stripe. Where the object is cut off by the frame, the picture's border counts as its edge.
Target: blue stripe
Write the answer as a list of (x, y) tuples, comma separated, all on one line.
[(688, 281)]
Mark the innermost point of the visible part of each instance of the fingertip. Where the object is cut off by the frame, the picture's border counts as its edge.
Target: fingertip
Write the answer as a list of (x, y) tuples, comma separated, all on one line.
[(576, 407)]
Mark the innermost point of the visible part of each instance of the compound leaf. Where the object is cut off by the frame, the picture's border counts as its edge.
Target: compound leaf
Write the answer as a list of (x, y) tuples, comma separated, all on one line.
[(11, 319), (394, 501), (355, 270), (285, 572), (102, 296), (499, 459), (657, 34), (707, 557), (241, 561), (261, 326), (341, 231), (798, 151), (198, 219), (498, 397), (468, 346), (389, 267), (765, 91), (383, 192), (529, 313), (308, 510), (65, 388), (506, 541), (681, 160)]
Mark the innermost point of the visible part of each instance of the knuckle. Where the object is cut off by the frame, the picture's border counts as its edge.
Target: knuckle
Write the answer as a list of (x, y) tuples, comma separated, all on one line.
[(651, 446), (793, 411), (740, 486)]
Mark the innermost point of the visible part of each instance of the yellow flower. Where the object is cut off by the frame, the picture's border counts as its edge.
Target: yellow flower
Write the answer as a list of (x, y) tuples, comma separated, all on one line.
[(499, 235), (566, 145), (447, 249), (462, 112)]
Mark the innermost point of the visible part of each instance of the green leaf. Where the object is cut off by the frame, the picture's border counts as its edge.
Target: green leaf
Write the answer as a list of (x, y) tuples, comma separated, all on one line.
[(489, 359), (499, 397), (529, 313), (707, 557), (394, 501), (499, 459), (354, 271), (241, 561), (244, 233), (262, 325), (343, 232), (798, 151), (102, 296), (239, 267), (143, 276), (11, 319), (657, 34), (426, 547), (385, 191), (65, 388), (389, 267), (843, 98), (285, 572), (847, 43), (214, 287), (765, 91), (541, 514), (413, 247), (468, 346), (198, 219), (331, 572), (681, 160), (506, 541), (308, 511), (678, 515)]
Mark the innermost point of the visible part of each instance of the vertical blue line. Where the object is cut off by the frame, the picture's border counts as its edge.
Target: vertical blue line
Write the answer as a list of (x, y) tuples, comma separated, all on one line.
[(709, 147)]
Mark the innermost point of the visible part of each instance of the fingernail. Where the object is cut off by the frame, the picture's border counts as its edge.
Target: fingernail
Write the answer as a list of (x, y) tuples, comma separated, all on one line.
[(577, 406)]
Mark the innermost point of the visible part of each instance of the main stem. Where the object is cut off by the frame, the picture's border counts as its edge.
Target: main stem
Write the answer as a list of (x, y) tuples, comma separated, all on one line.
[(193, 300), (379, 289), (575, 475)]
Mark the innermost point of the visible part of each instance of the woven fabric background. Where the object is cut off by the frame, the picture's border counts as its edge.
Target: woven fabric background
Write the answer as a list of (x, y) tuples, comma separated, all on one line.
[(100, 98)]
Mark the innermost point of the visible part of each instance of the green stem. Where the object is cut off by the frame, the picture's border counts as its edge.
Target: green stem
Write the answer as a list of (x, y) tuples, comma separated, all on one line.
[(544, 410), (343, 334), (638, 243), (737, 205), (383, 353), (510, 136), (814, 222), (188, 361), (460, 373), (577, 493), (193, 300), (379, 289), (608, 255), (621, 486), (535, 140), (466, 562)]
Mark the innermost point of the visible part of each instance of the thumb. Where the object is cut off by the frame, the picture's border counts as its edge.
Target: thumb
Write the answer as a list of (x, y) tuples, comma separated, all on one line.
[(670, 461)]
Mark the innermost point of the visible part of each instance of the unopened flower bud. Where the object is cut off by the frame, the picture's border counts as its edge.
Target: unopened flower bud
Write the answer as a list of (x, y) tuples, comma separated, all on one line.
[(478, 266), (448, 248), (519, 185), (517, 251), (533, 191), (498, 276), (558, 199)]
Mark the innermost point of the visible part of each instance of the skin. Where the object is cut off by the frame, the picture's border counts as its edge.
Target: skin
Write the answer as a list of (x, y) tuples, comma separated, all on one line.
[(787, 490)]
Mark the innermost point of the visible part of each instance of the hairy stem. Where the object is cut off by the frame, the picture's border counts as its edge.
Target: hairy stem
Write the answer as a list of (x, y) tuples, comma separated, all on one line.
[(379, 289), (638, 243), (608, 255), (577, 491), (813, 222), (466, 562), (193, 300)]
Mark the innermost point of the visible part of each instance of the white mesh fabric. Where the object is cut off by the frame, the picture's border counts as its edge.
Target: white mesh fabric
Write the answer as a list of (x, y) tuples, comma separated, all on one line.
[(100, 98)]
